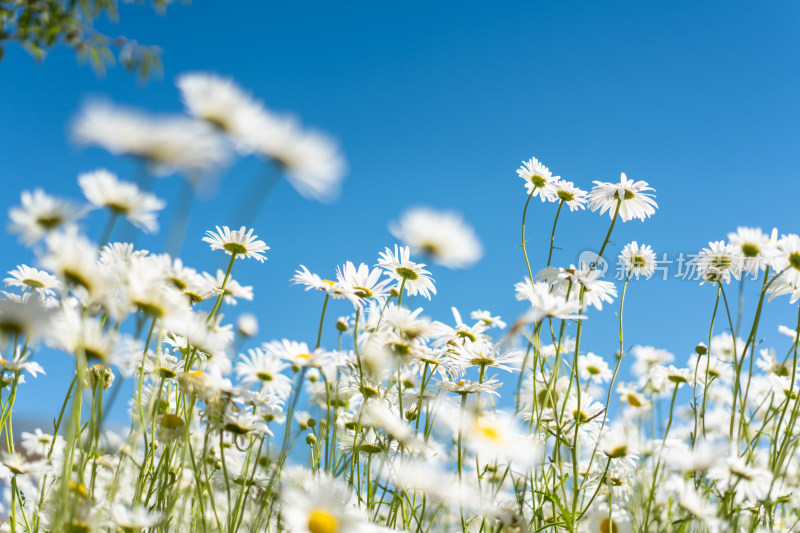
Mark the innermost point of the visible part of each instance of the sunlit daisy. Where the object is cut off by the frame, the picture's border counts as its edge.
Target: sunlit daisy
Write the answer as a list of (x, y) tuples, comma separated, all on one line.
[(32, 279), (40, 214), (631, 196), (409, 274), (638, 260), (103, 189), (538, 179), (260, 368), (719, 263), (756, 248), (567, 192), (321, 507), (362, 281), (239, 242)]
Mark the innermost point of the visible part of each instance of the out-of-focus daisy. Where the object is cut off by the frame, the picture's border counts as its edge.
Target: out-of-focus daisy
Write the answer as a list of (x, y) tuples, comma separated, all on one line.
[(40, 214), (411, 275), (487, 318), (444, 236), (538, 179), (103, 189), (32, 279), (566, 191), (166, 144), (638, 260), (747, 482), (321, 507), (223, 104), (73, 258), (311, 160), (632, 196), (719, 262), (592, 367), (601, 520), (496, 437), (135, 518), (647, 357), (240, 242)]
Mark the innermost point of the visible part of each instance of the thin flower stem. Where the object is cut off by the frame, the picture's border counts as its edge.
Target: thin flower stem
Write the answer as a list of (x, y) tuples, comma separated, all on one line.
[(524, 249), (553, 233)]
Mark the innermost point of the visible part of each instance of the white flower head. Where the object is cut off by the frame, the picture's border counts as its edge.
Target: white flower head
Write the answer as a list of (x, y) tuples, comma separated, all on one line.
[(240, 242), (103, 189), (631, 197)]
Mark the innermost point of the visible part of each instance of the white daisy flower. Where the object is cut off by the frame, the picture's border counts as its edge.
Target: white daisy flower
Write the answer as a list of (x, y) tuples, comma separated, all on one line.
[(495, 436), (33, 279), (233, 290), (719, 263), (787, 259), (166, 144), (550, 304), (323, 506), (135, 518), (296, 353), (239, 242), (638, 260), (747, 482), (567, 192), (103, 189), (593, 367), (223, 104), (444, 236), (334, 289), (756, 248), (647, 357), (487, 318), (73, 258), (311, 160), (411, 275), (40, 214), (538, 179), (362, 281), (633, 200), (260, 368)]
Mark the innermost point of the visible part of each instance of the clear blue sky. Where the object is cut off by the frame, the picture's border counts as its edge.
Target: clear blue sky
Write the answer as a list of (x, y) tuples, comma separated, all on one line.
[(437, 104)]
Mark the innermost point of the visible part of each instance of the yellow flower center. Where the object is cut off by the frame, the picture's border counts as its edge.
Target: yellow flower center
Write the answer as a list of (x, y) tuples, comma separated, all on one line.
[(321, 521), (608, 526), (487, 430)]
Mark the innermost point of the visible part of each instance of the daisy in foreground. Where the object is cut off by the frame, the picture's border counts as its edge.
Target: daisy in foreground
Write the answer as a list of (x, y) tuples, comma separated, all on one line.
[(324, 507), (444, 236), (239, 243)]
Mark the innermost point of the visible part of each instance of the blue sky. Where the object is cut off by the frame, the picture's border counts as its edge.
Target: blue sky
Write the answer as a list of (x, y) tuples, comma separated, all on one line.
[(437, 105)]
